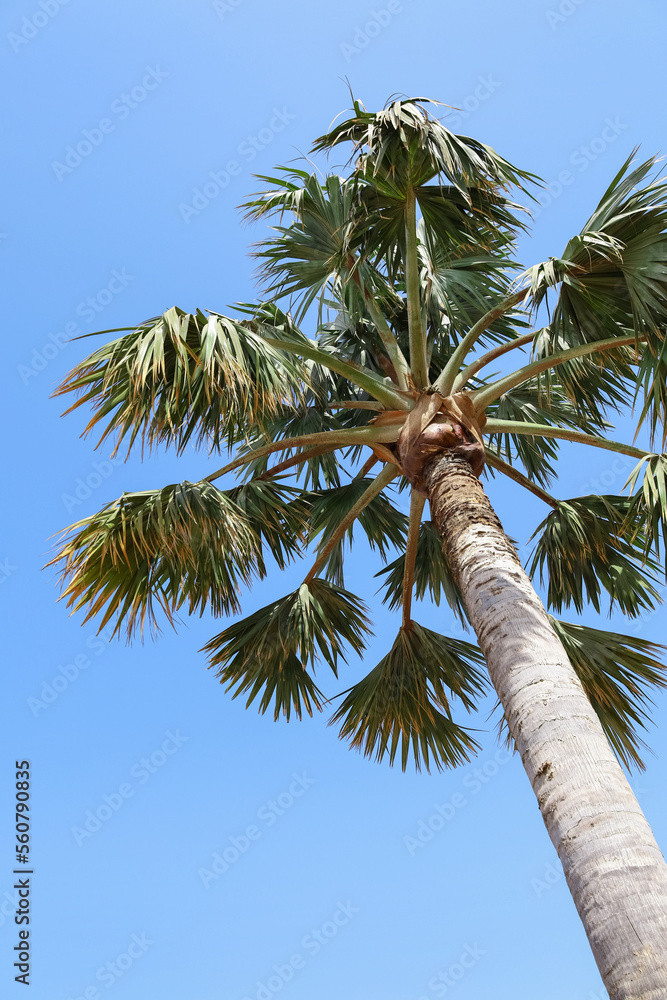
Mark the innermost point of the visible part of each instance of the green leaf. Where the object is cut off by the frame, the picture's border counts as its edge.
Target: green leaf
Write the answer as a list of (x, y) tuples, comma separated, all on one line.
[(181, 377), (315, 256), (384, 525), (461, 284), (652, 391), (185, 543), (320, 471), (432, 575), (616, 672), (404, 144), (403, 703), (612, 279), (277, 516), (647, 515), (268, 652), (588, 544)]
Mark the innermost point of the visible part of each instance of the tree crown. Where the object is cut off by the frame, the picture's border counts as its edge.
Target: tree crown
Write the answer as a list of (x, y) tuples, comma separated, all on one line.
[(403, 271)]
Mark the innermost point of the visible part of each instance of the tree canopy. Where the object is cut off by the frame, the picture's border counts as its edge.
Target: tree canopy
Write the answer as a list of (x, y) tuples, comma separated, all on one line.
[(391, 293)]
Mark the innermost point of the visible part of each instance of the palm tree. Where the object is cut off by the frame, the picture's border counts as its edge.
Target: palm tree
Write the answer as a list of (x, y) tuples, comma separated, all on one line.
[(404, 267)]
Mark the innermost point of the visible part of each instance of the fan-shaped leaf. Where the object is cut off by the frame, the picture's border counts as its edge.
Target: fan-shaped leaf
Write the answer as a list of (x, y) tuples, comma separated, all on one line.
[(268, 652), (277, 515), (179, 377), (588, 544), (185, 543), (616, 672), (404, 701), (648, 511), (414, 148), (612, 280)]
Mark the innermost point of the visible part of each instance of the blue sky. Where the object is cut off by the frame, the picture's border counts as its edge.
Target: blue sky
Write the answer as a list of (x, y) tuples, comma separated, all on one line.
[(132, 132)]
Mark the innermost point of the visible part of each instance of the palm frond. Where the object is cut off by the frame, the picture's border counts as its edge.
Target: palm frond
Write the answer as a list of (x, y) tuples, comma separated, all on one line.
[(278, 517), (586, 545), (402, 155), (612, 279), (647, 514), (433, 575), (186, 543), (536, 402), (460, 283), (383, 523), (651, 391), (181, 377), (617, 672), (316, 256), (410, 146), (404, 702), (269, 652)]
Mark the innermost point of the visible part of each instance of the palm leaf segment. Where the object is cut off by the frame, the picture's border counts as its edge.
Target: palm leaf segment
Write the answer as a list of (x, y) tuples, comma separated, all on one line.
[(616, 672), (268, 652), (587, 544), (409, 257), (181, 377)]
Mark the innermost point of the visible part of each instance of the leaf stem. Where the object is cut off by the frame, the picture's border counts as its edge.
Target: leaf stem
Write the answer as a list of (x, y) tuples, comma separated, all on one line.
[(447, 377), (333, 439), (383, 478), (362, 377), (417, 502), (396, 356), (518, 477), (366, 468), (288, 463), (494, 426), (356, 404), (490, 356), (401, 366), (418, 363), (482, 397)]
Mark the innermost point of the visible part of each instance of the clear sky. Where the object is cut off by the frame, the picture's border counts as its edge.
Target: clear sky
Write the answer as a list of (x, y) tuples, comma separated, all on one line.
[(131, 131)]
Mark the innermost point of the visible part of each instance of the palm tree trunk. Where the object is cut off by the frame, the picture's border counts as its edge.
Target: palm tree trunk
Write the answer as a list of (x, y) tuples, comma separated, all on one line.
[(613, 866)]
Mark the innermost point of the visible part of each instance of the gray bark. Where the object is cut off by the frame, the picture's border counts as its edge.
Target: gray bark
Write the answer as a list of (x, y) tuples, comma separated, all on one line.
[(613, 866)]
